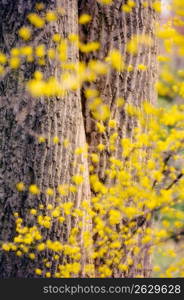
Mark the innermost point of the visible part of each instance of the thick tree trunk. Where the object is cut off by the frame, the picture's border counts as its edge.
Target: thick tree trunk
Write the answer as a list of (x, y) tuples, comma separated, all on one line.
[(114, 29), (22, 119)]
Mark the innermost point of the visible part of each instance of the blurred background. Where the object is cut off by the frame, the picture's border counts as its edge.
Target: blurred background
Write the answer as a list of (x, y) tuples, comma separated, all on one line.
[(169, 256)]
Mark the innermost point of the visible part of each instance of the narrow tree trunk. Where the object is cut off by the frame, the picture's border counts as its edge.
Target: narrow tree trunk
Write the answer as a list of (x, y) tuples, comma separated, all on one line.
[(114, 29), (22, 120)]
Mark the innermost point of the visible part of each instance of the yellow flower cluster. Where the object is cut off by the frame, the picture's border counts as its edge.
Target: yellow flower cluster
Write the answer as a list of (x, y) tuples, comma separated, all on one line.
[(143, 174)]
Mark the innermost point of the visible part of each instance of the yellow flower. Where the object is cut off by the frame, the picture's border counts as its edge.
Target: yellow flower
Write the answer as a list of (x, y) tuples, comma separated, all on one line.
[(131, 3), (101, 113), (132, 46), (14, 62), (34, 189), (77, 179), (141, 67), (91, 168), (98, 67), (49, 206), (89, 47), (72, 189), (95, 103), (146, 239), (114, 217), (106, 2), (38, 271), (36, 20), (85, 18), (19, 253), (112, 123), (105, 271), (171, 253), (130, 68), (56, 37), (116, 244), (94, 158), (40, 50), (41, 62), (41, 139), (115, 59), (91, 93), (123, 267), (126, 8), (38, 75), (75, 268), (33, 211), (50, 192), (101, 147), (165, 223), (63, 189), (67, 207), (15, 52), (39, 6), (20, 186), (26, 51), (32, 256), (73, 38), (3, 58), (51, 53), (130, 211), (63, 50), (55, 140), (25, 33), (56, 213), (89, 269), (156, 269), (51, 16), (6, 247), (136, 250), (41, 247), (156, 5), (36, 87), (61, 219)]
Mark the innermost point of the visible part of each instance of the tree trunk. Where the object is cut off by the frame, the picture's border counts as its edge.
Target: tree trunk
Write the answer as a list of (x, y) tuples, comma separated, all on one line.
[(23, 119), (114, 29)]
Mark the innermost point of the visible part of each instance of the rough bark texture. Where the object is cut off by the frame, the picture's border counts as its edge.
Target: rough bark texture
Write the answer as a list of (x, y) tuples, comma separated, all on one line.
[(114, 29), (22, 119)]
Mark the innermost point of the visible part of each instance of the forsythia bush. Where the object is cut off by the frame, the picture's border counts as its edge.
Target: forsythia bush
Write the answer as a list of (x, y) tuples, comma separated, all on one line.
[(143, 183)]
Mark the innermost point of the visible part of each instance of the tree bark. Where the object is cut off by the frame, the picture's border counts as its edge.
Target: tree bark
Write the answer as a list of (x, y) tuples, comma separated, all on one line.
[(114, 29), (22, 119)]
